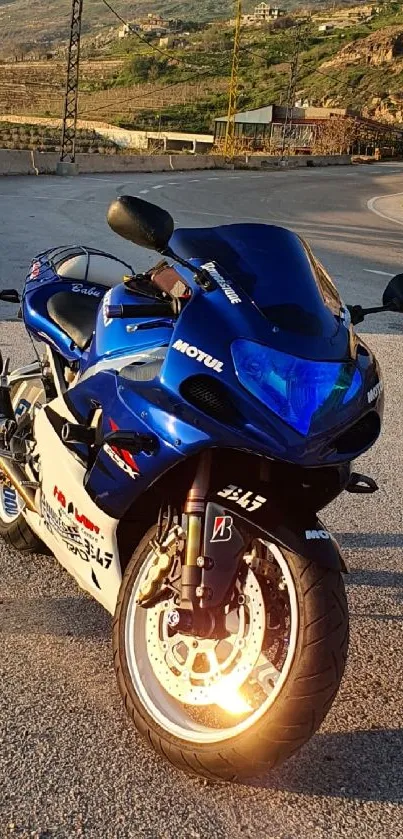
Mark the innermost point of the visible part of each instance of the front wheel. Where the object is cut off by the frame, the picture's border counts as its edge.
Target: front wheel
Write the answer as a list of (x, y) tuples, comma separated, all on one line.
[(231, 708)]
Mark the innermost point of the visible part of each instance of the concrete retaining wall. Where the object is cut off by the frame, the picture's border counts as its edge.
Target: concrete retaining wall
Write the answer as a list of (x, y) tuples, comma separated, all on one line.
[(45, 163)]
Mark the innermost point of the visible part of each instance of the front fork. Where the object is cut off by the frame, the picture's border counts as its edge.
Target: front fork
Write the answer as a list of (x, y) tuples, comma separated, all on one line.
[(193, 594)]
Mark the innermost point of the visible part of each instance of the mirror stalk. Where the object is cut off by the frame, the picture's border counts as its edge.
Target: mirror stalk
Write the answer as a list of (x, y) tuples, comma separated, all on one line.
[(201, 276), (358, 313)]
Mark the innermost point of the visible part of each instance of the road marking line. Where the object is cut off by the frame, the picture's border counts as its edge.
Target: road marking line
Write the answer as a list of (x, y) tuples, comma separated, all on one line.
[(104, 180), (371, 206), (158, 186), (238, 219), (194, 181), (144, 191), (382, 273), (61, 198), (215, 178), (172, 183)]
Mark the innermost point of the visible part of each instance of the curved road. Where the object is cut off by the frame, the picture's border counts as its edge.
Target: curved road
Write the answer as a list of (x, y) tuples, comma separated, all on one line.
[(328, 206), (70, 763)]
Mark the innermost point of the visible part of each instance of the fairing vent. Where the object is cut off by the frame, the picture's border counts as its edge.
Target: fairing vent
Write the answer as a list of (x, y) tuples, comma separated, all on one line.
[(210, 397), (360, 436)]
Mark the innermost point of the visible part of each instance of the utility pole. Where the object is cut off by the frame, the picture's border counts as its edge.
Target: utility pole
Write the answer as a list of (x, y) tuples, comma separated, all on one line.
[(229, 142), (292, 87), (68, 144)]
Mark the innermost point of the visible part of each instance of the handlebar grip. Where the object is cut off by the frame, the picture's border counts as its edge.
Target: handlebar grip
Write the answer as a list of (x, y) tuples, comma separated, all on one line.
[(120, 310)]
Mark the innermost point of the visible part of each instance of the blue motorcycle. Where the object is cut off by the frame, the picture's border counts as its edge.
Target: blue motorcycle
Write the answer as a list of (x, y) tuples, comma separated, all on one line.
[(172, 444)]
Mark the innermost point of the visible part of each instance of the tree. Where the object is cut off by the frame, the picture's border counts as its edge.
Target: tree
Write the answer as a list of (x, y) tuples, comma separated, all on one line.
[(336, 136)]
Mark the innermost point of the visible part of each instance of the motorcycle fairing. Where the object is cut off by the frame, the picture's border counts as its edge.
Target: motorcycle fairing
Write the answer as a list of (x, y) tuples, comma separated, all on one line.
[(75, 529)]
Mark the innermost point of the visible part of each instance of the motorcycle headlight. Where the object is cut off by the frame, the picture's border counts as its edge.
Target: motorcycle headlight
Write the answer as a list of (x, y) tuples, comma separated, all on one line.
[(296, 389)]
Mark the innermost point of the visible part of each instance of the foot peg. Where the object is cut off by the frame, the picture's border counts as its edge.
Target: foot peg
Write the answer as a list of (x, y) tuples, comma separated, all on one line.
[(6, 408), (129, 440), (361, 484)]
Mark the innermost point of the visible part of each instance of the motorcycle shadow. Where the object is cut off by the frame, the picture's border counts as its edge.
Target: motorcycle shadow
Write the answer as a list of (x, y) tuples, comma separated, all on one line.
[(362, 764)]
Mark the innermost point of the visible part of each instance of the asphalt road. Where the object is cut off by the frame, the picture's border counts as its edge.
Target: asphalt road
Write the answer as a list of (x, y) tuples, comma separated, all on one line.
[(70, 763)]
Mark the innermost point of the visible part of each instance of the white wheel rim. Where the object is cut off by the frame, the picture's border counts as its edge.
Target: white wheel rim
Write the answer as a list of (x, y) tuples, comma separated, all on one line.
[(171, 714)]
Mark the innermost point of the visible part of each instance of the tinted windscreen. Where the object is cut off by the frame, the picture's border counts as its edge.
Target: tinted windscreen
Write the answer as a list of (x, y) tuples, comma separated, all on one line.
[(275, 268)]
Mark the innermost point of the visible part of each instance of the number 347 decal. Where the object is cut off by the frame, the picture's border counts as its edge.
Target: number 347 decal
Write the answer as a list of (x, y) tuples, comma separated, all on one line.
[(248, 500)]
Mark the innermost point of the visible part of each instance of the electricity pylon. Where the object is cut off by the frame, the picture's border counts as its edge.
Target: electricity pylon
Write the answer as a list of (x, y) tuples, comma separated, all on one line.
[(68, 144), (299, 36), (229, 143)]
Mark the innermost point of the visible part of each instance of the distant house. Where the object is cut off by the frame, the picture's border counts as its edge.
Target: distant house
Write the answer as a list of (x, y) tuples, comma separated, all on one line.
[(262, 13), (265, 12), (325, 28), (127, 29), (173, 41), (154, 24)]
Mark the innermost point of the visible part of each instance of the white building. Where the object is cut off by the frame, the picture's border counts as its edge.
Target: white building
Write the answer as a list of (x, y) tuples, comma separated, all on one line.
[(126, 30), (326, 27), (265, 12)]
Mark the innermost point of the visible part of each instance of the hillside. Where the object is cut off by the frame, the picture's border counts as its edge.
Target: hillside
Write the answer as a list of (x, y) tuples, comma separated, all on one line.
[(358, 63), (49, 22)]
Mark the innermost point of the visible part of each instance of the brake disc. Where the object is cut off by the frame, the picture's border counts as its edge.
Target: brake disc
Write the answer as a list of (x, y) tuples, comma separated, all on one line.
[(194, 670)]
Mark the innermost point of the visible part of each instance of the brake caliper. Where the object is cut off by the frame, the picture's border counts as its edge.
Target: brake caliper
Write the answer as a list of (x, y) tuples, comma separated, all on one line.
[(160, 568)]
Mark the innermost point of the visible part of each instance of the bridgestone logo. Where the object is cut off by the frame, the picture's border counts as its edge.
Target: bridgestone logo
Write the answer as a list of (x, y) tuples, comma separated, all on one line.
[(226, 287), (375, 392), (198, 355)]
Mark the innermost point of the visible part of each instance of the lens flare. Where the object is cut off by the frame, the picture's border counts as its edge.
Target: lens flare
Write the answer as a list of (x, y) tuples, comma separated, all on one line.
[(229, 698)]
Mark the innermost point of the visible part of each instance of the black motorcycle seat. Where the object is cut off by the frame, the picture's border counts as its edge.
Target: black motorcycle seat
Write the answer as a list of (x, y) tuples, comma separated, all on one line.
[(77, 317)]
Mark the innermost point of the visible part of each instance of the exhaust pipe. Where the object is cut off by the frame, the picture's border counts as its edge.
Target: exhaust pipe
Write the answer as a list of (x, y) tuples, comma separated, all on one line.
[(19, 481)]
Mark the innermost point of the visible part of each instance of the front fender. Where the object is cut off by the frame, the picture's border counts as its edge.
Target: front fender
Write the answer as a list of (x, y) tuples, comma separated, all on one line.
[(233, 514), (300, 529)]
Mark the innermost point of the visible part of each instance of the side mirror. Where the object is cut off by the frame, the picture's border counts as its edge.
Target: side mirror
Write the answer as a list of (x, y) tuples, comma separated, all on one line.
[(143, 223), (394, 293)]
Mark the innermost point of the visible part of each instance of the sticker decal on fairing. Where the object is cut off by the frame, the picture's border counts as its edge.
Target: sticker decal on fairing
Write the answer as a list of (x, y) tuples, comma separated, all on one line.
[(90, 291), (222, 529), (375, 392), (65, 523), (35, 270), (198, 355), (72, 510), (317, 534), (226, 287), (248, 500), (123, 458)]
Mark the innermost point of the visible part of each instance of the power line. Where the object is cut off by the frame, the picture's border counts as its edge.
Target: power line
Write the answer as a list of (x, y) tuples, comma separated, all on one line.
[(156, 90), (154, 47)]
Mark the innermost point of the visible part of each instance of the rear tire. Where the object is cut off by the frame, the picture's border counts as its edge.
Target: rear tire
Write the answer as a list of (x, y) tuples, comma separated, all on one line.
[(14, 530), (300, 706), (20, 536)]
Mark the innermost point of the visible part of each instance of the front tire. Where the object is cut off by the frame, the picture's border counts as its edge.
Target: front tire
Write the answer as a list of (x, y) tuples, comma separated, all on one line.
[(299, 699)]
